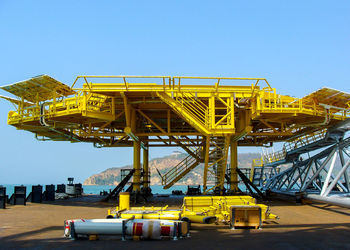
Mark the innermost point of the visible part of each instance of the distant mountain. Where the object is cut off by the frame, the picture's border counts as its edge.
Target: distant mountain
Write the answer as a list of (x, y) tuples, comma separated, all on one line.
[(111, 176)]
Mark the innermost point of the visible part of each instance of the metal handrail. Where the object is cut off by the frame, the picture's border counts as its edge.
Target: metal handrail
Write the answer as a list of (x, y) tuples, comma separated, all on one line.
[(86, 77), (289, 146), (178, 169)]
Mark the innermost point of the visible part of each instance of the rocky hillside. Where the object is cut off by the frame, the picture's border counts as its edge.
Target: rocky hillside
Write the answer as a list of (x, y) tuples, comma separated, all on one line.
[(111, 176)]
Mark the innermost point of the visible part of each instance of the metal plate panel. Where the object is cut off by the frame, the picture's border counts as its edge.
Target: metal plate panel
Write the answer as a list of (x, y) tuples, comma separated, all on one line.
[(39, 88)]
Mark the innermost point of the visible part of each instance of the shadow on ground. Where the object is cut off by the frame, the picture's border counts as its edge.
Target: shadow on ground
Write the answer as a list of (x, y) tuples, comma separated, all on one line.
[(300, 236)]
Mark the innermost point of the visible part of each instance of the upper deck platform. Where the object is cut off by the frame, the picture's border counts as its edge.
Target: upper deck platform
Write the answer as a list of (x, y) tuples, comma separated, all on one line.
[(104, 109)]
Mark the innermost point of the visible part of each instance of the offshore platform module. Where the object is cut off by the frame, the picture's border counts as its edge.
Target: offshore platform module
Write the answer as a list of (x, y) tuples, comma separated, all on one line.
[(208, 117)]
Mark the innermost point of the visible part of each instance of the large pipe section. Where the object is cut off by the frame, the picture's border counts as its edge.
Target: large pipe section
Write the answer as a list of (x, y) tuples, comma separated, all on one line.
[(189, 216), (332, 200), (146, 229), (126, 213)]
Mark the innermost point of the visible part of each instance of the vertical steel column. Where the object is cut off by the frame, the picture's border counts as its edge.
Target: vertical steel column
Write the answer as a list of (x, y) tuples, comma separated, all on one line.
[(252, 170), (137, 149), (212, 112), (346, 176), (330, 170), (234, 166), (137, 167), (146, 180), (206, 163)]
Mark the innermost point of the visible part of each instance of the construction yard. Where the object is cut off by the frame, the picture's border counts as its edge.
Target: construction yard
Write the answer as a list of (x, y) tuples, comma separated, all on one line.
[(316, 226)]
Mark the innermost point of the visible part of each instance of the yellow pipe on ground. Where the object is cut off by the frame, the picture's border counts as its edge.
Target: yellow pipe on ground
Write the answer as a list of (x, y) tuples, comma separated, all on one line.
[(161, 215)]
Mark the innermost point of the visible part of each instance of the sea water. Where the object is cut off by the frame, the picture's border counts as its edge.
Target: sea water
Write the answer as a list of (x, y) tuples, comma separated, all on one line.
[(95, 189), (156, 189)]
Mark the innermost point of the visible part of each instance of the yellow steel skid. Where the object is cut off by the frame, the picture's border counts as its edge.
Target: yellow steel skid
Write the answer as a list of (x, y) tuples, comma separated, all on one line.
[(219, 206), (203, 115), (204, 209)]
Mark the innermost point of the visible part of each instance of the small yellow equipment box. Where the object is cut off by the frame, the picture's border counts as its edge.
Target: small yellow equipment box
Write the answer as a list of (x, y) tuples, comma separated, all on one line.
[(245, 216)]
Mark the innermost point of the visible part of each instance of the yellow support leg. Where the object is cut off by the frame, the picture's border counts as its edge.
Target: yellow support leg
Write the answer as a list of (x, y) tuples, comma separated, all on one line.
[(206, 163), (137, 167), (145, 168), (234, 166), (252, 169)]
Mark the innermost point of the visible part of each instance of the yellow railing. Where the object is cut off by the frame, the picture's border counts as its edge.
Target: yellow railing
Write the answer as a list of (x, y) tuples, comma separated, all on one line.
[(274, 157), (269, 101), (165, 81), (196, 108), (305, 140), (290, 146), (79, 103), (258, 162), (187, 144), (179, 170), (97, 103)]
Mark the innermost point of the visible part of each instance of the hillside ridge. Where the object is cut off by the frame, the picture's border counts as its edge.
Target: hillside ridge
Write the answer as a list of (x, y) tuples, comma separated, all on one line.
[(111, 176)]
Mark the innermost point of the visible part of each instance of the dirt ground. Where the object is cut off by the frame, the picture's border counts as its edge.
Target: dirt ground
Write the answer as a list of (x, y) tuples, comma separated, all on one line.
[(312, 226)]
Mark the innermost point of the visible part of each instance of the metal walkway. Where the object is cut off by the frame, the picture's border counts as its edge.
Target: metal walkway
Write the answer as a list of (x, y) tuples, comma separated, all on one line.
[(323, 176), (294, 149)]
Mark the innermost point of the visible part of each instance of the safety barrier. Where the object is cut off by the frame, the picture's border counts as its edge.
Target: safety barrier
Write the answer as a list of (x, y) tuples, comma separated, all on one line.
[(36, 195), (49, 194), (19, 196), (61, 188), (2, 197), (78, 188)]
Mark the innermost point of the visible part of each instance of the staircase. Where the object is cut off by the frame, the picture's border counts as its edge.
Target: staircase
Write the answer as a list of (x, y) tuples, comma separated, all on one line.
[(217, 157), (291, 150), (220, 168), (120, 186), (180, 170), (298, 146), (96, 102), (192, 110), (186, 145), (257, 176), (211, 116)]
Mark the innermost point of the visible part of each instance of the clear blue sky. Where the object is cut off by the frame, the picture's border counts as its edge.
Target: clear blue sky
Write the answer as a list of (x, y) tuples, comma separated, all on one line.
[(299, 46)]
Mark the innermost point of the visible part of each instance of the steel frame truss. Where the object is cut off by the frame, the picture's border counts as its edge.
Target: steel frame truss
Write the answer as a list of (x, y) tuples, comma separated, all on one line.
[(324, 174)]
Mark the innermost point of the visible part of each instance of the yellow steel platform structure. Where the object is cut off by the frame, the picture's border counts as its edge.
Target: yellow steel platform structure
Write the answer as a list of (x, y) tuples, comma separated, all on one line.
[(206, 116)]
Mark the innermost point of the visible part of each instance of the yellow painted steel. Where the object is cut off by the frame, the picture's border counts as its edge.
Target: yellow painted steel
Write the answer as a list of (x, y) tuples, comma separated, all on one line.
[(39, 88), (220, 206), (124, 201), (234, 166), (246, 216), (205, 116), (146, 171), (148, 214), (158, 215), (288, 146), (137, 167), (197, 209)]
